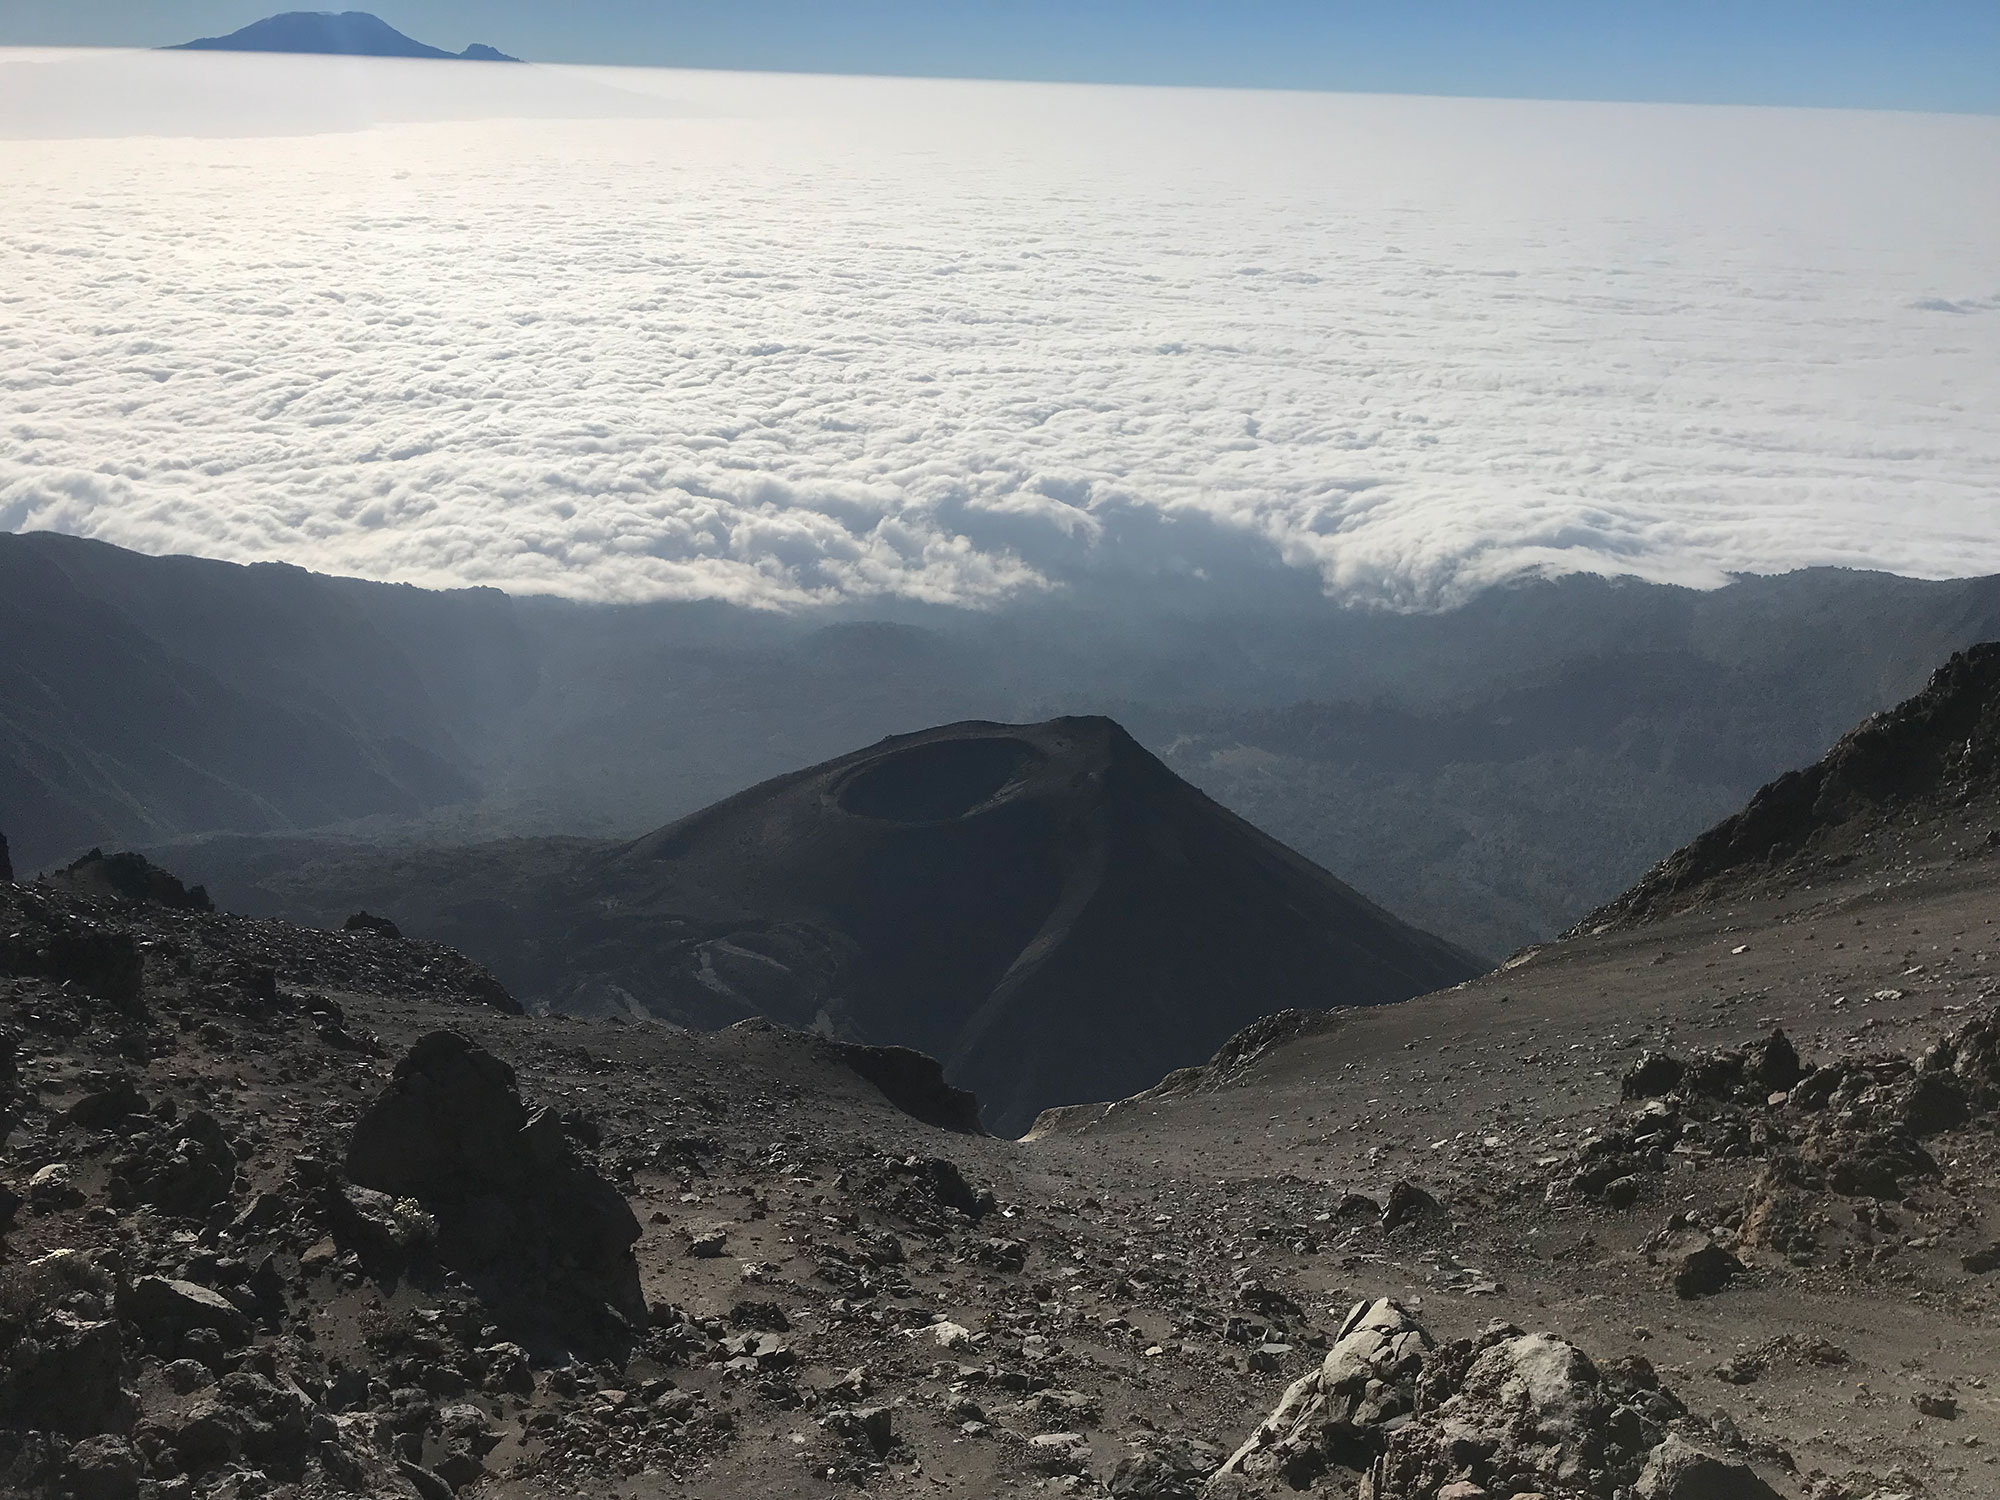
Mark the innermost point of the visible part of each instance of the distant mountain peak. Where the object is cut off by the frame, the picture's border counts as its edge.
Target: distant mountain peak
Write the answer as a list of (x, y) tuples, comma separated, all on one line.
[(350, 33)]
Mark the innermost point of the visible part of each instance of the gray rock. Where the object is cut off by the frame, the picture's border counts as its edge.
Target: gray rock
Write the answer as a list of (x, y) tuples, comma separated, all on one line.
[(166, 1309), (1654, 1074), (505, 1367), (1410, 1204), (104, 1468), (708, 1244), (54, 1186), (208, 1433), (386, 1232), (1515, 1413), (1678, 1470), (1162, 1470), (186, 1376), (265, 1213), (186, 1170), (466, 1426), (274, 1418), (872, 1427), (1980, 1261), (427, 1484), (1333, 1417)]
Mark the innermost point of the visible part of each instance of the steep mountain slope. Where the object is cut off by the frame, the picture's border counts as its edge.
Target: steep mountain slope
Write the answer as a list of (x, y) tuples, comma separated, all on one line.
[(1043, 907), (152, 697), (1046, 908), (1924, 773), (1498, 810), (353, 33)]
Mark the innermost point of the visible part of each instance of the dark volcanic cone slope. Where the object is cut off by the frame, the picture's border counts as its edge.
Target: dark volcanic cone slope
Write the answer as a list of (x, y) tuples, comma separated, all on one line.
[(1937, 754), (1046, 908)]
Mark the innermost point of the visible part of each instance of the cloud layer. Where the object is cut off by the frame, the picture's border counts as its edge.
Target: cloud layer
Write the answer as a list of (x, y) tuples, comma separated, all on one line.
[(783, 340)]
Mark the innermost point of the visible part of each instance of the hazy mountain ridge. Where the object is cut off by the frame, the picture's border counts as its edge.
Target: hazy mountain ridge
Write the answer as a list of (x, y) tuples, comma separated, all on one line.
[(352, 33), (1491, 774), (144, 698)]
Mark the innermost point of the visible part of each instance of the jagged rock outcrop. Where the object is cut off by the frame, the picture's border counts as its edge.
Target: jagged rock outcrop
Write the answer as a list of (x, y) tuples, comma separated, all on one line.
[(915, 1084), (1937, 749), (1506, 1413), (517, 1208), (1335, 1416), (128, 876), (1240, 1052)]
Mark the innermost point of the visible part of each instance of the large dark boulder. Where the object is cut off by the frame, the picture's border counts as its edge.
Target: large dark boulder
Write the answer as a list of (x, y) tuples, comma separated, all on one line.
[(1774, 1062), (104, 1468), (452, 1109), (166, 1310), (63, 1374), (1680, 1470), (915, 1084), (517, 1210), (109, 1100)]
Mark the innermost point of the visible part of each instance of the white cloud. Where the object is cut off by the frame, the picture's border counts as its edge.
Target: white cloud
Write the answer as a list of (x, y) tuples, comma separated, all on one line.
[(780, 340)]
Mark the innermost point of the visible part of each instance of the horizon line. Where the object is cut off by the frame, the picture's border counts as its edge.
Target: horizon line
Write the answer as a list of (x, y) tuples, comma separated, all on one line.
[(1211, 86)]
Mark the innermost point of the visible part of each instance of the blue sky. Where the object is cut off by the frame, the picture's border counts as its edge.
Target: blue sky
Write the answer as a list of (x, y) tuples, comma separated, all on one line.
[(1901, 54)]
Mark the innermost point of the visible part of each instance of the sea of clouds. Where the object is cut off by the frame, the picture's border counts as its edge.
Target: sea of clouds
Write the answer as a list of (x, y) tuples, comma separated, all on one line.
[(622, 334)]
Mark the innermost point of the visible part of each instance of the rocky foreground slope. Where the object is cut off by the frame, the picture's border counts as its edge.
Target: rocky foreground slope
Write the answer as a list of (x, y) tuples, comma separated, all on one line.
[(311, 1211), (302, 1212)]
